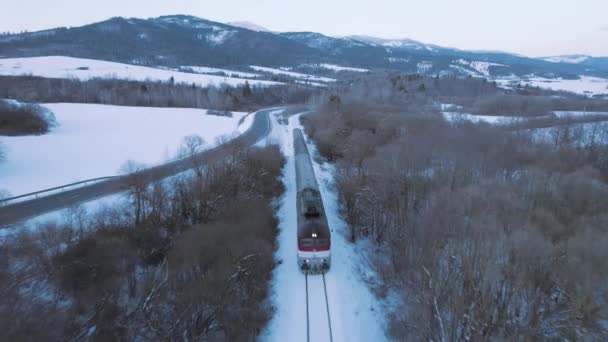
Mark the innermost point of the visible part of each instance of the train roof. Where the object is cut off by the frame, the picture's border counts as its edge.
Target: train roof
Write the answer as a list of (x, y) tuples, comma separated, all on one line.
[(318, 226)]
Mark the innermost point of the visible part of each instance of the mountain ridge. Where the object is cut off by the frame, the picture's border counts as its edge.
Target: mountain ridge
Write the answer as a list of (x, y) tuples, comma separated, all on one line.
[(176, 40)]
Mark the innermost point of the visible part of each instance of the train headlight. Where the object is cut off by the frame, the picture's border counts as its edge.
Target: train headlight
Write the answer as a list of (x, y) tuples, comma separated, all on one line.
[(314, 235)]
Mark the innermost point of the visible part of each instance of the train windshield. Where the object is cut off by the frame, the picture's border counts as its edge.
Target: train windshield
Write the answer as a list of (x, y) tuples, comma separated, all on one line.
[(307, 242), (321, 242)]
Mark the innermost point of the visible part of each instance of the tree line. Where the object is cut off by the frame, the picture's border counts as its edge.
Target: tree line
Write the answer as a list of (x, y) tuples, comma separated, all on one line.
[(151, 94)]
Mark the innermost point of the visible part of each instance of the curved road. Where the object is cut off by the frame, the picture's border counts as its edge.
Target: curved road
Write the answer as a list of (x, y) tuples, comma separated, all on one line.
[(14, 213)]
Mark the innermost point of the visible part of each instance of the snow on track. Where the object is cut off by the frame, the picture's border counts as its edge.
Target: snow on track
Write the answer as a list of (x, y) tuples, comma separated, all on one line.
[(355, 312), (84, 69)]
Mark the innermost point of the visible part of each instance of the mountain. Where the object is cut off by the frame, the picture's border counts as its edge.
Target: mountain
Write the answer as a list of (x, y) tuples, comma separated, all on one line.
[(573, 59), (248, 25), (582, 60), (186, 40), (168, 40), (404, 44)]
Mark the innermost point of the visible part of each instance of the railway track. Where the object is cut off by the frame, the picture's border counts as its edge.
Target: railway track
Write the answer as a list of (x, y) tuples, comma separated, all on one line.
[(319, 335)]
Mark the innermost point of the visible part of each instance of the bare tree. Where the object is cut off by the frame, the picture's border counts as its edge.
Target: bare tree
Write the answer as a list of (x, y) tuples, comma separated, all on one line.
[(192, 146), (137, 182)]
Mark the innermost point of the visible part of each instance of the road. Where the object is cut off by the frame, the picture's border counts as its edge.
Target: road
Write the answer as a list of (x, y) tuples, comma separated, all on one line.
[(14, 213)]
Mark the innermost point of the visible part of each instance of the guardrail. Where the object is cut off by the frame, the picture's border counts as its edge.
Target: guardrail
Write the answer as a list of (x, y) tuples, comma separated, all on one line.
[(47, 192)]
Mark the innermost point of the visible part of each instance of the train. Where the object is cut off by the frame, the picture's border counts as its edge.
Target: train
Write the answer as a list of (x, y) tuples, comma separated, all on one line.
[(314, 237)]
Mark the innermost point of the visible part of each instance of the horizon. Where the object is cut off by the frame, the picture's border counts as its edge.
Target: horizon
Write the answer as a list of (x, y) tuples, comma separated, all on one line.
[(482, 28), (231, 23)]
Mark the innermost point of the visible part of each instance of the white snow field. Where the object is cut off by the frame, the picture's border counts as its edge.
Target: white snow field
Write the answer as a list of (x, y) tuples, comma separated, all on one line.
[(208, 70), (584, 85), (453, 117), (96, 140), (298, 75), (482, 68), (335, 67), (356, 315), (490, 119), (84, 69)]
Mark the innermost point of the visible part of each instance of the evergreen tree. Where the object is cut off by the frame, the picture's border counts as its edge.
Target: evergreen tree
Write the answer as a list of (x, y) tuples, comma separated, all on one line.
[(246, 90)]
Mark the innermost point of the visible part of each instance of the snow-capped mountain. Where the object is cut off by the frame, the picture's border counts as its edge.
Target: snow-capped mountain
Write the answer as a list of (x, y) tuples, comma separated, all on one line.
[(248, 25), (406, 44), (179, 40), (573, 59)]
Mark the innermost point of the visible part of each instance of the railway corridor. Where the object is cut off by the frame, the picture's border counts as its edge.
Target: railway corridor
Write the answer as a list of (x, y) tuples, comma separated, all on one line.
[(354, 314)]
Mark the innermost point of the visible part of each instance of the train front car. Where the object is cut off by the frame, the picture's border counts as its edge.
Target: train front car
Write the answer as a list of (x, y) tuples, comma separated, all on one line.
[(314, 239)]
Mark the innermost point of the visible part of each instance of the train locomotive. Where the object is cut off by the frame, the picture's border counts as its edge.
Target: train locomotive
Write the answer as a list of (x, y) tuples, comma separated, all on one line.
[(314, 238)]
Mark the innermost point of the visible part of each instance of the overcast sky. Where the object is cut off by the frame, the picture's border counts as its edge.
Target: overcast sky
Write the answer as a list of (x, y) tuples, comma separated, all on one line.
[(529, 27)]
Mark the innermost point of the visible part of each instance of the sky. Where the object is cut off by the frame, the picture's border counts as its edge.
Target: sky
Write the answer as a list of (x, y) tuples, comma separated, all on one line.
[(528, 27)]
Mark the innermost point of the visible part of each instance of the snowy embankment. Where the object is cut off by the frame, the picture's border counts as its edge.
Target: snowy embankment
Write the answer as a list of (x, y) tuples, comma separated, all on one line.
[(292, 74), (96, 140), (356, 314), (85, 69)]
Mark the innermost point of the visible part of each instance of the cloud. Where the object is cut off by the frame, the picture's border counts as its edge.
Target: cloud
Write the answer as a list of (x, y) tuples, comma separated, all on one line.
[(605, 28)]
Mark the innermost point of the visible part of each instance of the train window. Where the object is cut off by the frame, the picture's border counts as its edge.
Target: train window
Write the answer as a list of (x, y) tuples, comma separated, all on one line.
[(321, 242), (307, 242)]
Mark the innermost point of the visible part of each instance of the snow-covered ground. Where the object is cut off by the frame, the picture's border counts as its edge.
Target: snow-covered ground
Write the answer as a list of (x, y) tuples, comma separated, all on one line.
[(335, 67), (96, 140), (208, 70), (292, 74), (84, 69), (579, 114), (482, 68), (571, 59), (452, 116), (581, 133), (424, 66), (491, 119), (356, 315), (67, 215), (584, 85)]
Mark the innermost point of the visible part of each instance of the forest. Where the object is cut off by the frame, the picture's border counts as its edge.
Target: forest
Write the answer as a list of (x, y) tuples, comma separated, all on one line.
[(480, 232), (181, 259)]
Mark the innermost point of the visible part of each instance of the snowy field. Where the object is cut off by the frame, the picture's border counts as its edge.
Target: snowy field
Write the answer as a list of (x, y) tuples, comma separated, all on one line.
[(96, 140), (84, 69), (335, 67), (451, 116), (292, 74), (208, 70), (482, 68), (356, 315), (584, 85), (490, 119)]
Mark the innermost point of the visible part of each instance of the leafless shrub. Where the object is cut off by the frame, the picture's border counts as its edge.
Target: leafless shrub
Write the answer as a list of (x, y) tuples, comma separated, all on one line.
[(197, 261)]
